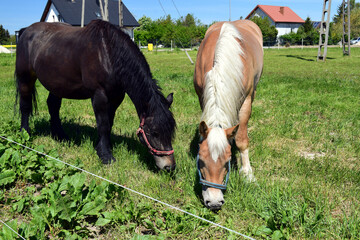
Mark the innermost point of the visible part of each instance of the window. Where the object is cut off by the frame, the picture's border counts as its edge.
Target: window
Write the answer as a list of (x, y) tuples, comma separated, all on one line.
[(98, 15)]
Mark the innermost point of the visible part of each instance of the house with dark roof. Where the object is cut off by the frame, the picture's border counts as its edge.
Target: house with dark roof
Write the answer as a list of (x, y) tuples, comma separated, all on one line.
[(283, 18), (69, 11)]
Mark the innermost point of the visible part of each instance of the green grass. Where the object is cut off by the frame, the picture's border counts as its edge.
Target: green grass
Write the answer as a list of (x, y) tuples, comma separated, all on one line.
[(302, 108)]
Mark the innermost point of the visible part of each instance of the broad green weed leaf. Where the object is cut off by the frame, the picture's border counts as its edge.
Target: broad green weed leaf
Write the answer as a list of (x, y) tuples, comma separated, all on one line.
[(78, 180), (16, 159), (5, 157), (277, 235), (93, 208), (6, 177), (263, 231), (64, 184), (19, 206), (102, 221)]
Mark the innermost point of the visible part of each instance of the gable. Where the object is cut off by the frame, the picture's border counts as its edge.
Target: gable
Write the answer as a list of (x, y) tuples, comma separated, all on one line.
[(70, 12)]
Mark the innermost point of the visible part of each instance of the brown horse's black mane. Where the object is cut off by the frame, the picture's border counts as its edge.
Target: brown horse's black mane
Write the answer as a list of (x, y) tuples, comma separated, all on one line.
[(137, 79), (131, 71)]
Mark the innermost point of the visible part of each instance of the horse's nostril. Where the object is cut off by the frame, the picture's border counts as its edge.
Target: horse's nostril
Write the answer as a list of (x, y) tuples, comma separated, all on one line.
[(222, 202), (207, 203)]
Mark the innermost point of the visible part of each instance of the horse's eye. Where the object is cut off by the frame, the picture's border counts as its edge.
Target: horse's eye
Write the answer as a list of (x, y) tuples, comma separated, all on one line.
[(155, 134)]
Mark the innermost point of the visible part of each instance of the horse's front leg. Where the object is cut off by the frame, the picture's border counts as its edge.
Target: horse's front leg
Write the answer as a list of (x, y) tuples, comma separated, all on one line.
[(242, 139), (54, 104), (101, 105)]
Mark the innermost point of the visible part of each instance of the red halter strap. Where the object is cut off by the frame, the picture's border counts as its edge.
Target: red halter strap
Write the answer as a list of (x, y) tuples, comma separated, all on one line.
[(152, 150)]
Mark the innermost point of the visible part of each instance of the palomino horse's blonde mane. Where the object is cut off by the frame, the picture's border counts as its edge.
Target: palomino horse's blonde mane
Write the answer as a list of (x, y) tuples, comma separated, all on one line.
[(223, 93), (223, 89)]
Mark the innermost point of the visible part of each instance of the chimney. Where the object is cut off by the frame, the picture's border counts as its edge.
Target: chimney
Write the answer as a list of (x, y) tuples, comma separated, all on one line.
[(282, 10)]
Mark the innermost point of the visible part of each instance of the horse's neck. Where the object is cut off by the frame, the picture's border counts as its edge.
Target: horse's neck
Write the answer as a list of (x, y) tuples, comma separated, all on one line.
[(140, 95)]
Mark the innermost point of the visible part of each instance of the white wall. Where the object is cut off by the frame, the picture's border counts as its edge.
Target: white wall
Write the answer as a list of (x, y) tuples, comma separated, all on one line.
[(285, 28), (129, 31), (53, 15)]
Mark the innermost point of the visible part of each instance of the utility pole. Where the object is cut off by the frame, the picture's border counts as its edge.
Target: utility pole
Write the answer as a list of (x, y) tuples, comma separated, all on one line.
[(346, 27), (104, 10), (82, 13), (324, 30), (120, 14), (229, 10)]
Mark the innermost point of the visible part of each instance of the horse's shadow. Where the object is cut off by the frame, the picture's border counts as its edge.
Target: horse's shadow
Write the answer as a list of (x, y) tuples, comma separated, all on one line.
[(193, 151), (309, 59), (79, 133)]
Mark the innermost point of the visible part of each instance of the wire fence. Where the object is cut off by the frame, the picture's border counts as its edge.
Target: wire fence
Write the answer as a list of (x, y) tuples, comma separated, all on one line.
[(127, 188)]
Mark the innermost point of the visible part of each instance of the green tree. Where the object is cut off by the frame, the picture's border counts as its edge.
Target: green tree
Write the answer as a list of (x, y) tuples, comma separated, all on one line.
[(184, 32), (336, 28), (269, 31), (4, 35), (338, 16), (308, 27), (189, 20), (306, 34)]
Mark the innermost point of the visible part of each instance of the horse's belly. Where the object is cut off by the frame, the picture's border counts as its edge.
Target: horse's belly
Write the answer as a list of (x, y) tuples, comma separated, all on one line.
[(68, 90)]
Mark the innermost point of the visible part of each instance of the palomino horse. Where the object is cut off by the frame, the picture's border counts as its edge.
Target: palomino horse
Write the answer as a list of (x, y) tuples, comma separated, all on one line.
[(228, 67), (100, 62)]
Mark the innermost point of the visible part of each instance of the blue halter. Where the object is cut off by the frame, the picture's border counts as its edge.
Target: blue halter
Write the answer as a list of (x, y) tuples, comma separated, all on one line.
[(211, 184)]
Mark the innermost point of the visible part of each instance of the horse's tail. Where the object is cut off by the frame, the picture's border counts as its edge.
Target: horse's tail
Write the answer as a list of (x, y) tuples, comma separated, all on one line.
[(21, 55), (224, 91)]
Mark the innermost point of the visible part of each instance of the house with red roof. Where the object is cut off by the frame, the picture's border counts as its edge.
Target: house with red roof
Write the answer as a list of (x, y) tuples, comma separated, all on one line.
[(283, 18)]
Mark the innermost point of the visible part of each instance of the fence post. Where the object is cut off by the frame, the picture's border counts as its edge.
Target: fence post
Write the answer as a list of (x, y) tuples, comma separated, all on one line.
[(302, 43)]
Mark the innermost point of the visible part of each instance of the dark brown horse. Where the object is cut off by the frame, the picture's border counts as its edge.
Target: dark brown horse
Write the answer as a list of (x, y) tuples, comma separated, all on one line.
[(100, 62)]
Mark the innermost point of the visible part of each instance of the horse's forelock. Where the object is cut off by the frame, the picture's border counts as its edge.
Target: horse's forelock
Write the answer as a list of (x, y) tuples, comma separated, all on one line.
[(217, 142), (163, 117)]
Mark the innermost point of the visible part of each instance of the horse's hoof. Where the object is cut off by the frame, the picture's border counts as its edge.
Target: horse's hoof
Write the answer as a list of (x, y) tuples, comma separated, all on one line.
[(108, 160), (248, 175), (61, 137)]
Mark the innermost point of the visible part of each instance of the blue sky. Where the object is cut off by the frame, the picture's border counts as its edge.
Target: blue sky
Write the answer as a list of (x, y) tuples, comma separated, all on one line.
[(15, 14)]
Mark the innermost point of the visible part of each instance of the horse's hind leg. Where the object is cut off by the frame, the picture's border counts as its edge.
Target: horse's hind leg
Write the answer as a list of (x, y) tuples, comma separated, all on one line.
[(242, 139), (26, 93), (54, 104), (101, 108)]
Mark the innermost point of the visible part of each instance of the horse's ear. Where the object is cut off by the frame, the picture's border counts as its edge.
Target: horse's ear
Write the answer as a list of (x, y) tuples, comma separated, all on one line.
[(203, 129), (169, 98), (230, 132)]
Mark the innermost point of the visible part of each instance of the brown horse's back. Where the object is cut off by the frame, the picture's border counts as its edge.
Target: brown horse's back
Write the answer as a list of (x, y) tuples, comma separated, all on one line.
[(55, 54)]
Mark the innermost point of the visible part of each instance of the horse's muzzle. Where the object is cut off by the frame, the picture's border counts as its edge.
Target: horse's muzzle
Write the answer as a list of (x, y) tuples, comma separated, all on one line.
[(165, 162)]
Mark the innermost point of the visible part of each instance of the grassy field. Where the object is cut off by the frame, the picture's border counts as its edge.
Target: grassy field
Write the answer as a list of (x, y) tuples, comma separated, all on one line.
[(305, 150)]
